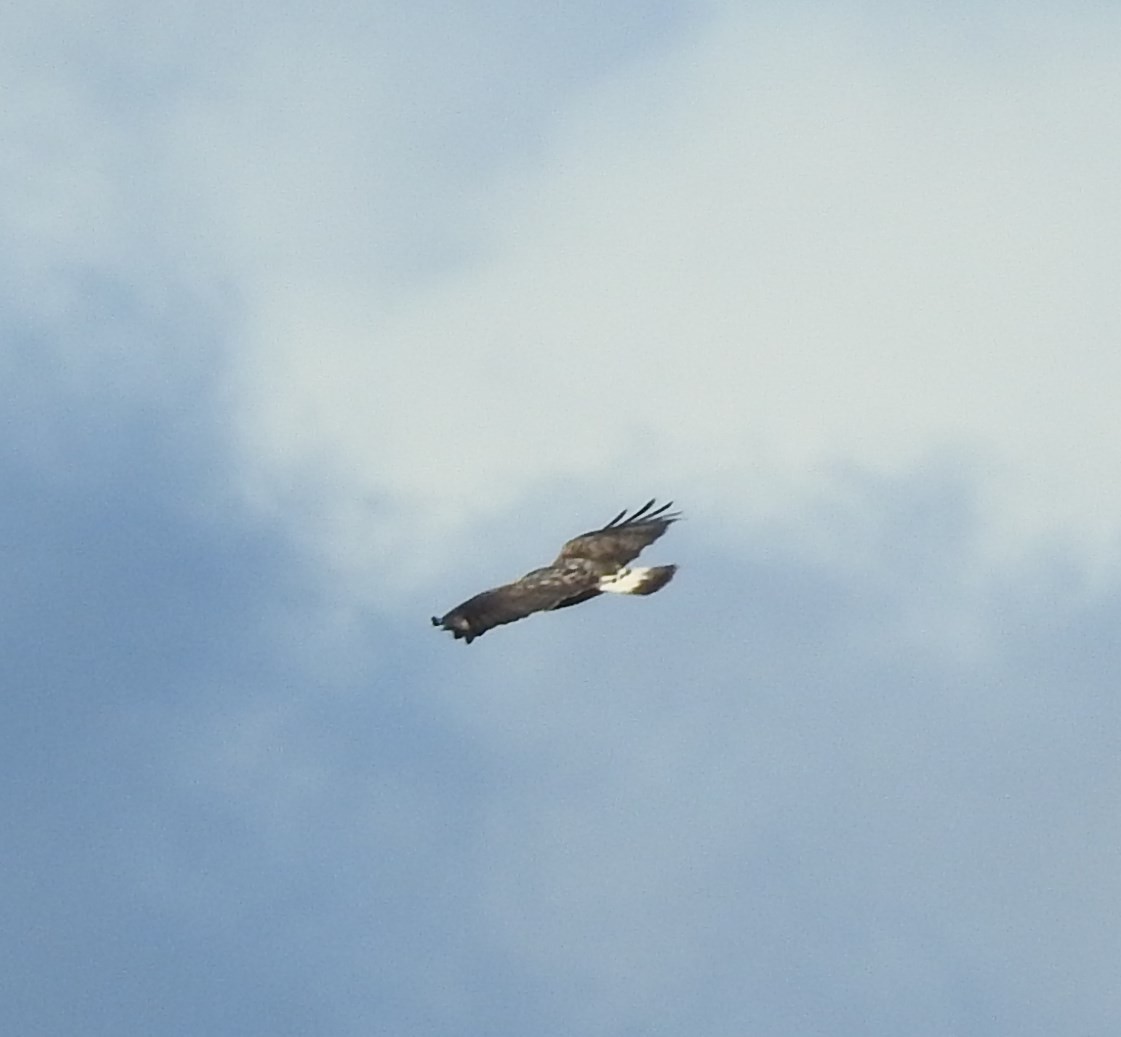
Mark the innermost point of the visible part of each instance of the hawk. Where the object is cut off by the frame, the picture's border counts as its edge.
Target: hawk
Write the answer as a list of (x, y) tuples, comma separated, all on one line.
[(587, 566)]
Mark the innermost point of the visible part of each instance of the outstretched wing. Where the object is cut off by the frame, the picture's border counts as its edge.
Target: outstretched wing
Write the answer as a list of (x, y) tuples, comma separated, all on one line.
[(622, 539), (538, 591)]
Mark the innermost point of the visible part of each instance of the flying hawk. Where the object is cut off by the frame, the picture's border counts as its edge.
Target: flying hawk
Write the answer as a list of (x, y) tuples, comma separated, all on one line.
[(586, 567)]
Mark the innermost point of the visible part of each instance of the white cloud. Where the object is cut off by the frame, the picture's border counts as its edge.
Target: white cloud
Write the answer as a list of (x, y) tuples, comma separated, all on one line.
[(843, 287), (796, 247), (782, 252)]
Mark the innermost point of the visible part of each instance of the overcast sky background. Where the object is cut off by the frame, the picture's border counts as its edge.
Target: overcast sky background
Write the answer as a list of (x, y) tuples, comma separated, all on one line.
[(315, 320)]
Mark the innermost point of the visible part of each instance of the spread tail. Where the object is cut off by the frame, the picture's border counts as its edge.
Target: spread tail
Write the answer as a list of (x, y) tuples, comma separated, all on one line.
[(638, 580)]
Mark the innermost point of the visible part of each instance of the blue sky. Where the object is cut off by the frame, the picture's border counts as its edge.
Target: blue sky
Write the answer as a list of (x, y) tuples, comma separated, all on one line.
[(316, 321)]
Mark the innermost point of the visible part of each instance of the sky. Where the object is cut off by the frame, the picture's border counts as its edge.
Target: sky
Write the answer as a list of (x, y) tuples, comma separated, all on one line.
[(316, 319)]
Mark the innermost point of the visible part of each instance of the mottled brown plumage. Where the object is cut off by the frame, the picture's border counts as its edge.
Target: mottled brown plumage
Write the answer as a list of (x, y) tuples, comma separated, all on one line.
[(587, 566)]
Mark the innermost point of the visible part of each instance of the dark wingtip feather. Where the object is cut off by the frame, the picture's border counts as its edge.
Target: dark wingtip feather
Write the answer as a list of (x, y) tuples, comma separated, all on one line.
[(615, 519), (457, 625), (643, 514)]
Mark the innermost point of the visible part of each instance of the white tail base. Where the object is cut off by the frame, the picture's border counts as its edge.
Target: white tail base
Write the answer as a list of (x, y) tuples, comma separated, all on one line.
[(639, 580)]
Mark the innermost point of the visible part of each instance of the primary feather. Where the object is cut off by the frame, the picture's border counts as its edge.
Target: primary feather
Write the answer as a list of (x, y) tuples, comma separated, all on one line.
[(587, 566)]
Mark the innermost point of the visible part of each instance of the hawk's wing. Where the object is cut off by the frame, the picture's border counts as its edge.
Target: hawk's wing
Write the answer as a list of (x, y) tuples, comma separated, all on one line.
[(623, 538), (538, 591)]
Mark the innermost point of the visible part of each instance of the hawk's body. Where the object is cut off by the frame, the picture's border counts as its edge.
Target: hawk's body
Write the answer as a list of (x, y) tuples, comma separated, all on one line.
[(587, 566)]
